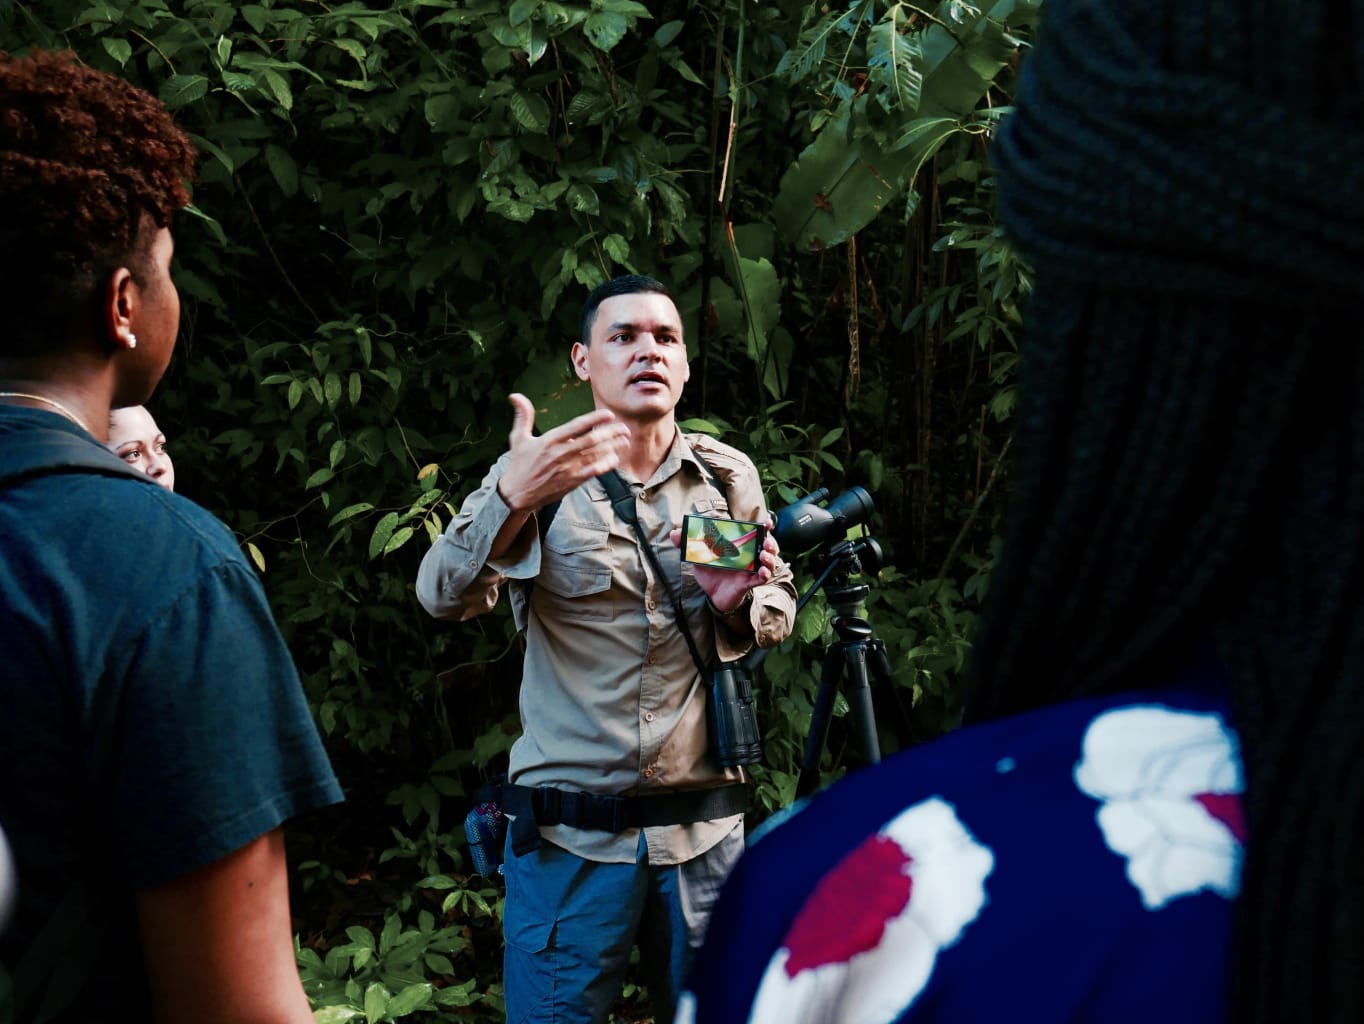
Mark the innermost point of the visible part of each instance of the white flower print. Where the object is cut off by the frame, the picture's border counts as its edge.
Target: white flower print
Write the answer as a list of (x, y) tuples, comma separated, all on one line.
[(864, 945), (1170, 784)]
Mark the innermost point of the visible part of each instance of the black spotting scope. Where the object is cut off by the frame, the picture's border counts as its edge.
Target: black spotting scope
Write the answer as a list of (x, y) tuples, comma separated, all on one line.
[(805, 523)]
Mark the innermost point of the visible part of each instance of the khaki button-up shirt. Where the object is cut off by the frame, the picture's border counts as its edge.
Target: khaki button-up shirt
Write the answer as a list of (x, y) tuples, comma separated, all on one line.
[(611, 701)]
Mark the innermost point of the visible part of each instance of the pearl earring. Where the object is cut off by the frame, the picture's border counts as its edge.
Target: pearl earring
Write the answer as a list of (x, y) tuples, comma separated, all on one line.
[(132, 340)]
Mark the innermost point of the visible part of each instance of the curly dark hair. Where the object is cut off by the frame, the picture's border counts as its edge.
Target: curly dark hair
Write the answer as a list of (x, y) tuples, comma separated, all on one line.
[(86, 160)]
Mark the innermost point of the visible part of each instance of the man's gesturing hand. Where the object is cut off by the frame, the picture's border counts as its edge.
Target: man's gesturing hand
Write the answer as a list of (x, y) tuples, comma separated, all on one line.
[(545, 468)]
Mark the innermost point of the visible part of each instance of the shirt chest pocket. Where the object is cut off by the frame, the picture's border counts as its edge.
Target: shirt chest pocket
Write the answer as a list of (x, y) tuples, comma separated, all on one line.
[(711, 507), (575, 571)]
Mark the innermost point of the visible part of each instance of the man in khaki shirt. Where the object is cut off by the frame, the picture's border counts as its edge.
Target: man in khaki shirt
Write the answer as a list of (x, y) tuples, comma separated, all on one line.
[(611, 700)]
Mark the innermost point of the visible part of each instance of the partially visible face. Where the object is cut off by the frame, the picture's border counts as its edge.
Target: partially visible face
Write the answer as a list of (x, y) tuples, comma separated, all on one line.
[(135, 438), (637, 361)]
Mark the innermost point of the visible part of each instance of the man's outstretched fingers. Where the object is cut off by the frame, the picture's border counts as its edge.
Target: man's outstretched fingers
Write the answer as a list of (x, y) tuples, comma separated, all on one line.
[(590, 437)]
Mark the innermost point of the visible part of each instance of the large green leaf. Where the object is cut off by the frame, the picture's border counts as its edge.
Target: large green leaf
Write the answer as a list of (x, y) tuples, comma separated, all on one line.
[(760, 291), (845, 177), (891, 63), (831, 190)]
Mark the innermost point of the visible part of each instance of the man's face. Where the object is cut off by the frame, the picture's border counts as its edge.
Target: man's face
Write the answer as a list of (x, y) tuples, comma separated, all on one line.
[(637, 361)]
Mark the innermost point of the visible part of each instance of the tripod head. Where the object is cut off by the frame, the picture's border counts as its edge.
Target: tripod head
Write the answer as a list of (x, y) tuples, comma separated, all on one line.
[(840, 562), (837, 558)]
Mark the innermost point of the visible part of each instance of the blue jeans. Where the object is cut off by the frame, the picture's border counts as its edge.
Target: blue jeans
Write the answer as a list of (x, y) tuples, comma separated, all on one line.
[(570, 925)]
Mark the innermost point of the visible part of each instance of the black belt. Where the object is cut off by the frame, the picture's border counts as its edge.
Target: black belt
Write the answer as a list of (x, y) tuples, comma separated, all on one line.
[(544, 805)]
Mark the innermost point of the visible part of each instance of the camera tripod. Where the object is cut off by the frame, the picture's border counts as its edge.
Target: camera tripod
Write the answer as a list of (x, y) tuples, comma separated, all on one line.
[(853, 658), (855, 653)]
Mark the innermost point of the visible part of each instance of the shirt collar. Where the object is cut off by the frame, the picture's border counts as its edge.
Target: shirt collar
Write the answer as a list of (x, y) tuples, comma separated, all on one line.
[(679, 454)]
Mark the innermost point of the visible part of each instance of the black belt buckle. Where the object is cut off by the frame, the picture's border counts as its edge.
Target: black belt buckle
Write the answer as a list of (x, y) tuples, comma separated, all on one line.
[(615, 806), (599, 813), (546, 805), (550, 806), (572, 808)]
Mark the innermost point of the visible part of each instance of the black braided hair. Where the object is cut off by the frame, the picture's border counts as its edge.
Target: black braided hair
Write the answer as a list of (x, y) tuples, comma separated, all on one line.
[(1187, 178)]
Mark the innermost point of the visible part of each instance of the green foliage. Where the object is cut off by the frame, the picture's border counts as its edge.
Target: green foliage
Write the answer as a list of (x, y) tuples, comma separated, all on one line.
[(897, 93), (399, 208), (403, 970)]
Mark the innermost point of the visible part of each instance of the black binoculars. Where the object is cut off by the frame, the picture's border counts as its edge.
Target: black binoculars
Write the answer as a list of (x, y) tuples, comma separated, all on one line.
[(733, 720)]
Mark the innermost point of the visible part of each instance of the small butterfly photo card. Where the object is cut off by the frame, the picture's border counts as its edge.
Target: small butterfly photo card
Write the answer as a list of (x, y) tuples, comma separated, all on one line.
[(722, 543)]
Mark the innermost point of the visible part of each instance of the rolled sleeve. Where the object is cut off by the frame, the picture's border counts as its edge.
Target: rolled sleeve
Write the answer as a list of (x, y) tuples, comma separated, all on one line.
[(457, 579), (771, 617)]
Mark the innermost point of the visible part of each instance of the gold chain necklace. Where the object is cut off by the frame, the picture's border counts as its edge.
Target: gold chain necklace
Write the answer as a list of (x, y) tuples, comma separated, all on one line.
[(52, 402)]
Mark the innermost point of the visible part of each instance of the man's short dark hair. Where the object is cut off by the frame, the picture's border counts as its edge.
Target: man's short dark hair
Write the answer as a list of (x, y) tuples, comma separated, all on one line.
[(627, 284)]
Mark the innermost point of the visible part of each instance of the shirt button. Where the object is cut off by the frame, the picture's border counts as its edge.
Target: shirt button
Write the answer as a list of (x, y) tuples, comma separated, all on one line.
[(651, 660), (473, 563), (648, 716), (648, 773)]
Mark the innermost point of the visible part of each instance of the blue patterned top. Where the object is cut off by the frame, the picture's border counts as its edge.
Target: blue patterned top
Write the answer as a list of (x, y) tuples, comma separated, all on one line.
[(1077, 863)]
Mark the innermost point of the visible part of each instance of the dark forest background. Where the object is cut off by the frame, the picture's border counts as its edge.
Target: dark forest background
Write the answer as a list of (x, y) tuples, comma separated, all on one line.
[(400, 208)]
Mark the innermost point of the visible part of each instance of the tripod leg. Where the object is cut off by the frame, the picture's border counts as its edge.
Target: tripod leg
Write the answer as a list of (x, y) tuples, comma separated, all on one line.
[(808, 781), (859, 699), (879, 660)]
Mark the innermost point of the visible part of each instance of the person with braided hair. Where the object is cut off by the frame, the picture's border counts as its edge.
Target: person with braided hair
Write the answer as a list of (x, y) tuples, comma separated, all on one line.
[(154, 736), (1154, 812)]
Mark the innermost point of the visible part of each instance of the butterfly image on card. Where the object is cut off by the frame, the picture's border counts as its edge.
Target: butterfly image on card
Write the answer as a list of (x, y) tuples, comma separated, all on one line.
[(719, 546), (712, 543)]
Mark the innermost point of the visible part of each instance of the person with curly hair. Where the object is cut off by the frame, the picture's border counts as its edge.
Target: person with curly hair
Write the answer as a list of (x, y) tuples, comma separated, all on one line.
[(154, 736)]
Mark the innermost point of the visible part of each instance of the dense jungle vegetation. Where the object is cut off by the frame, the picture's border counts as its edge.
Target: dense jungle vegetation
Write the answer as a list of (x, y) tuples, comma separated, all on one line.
[(400, 207)]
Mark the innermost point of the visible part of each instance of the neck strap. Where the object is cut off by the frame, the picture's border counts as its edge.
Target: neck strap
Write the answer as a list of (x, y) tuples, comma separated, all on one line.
[(623, 501)]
